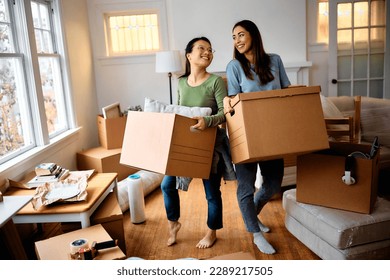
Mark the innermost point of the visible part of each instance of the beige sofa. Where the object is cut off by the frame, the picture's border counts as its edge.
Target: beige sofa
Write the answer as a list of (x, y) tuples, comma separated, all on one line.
[(337, 234)]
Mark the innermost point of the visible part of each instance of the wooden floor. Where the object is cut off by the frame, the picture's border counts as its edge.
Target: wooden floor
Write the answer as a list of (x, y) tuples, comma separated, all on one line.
[(148, 240)]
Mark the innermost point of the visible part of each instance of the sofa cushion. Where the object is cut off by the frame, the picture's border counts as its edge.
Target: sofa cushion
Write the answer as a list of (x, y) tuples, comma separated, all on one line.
[(379, 250), (341, 229), (375, 120), (345, 104), (329, 108)]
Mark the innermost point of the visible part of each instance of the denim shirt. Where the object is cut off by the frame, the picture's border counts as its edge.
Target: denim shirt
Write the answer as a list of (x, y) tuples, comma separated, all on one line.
[(239, 83)]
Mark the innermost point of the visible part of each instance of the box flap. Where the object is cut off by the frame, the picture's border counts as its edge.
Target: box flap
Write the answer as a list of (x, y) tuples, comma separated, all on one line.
[(275, 93), (147, 136)]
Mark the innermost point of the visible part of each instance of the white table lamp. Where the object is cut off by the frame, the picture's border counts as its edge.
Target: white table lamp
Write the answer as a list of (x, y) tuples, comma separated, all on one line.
[(168, 62)]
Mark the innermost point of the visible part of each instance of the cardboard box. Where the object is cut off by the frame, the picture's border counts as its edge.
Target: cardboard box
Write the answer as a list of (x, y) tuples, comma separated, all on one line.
[(164, 143), (271, 124), (110, 216), (103, 161), (57, 247), (319, 178), (111, 131)]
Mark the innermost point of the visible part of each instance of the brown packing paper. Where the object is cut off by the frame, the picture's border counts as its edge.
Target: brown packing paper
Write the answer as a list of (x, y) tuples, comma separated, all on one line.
[(76, 180)]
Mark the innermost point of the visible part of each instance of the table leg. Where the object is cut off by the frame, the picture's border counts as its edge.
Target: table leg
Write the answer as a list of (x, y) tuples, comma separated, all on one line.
[(85, 220)]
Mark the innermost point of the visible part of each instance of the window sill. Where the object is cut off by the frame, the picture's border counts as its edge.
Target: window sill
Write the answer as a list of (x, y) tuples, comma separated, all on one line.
[(18, 166)]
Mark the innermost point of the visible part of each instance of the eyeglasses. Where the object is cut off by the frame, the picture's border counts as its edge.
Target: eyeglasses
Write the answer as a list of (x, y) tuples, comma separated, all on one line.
[(203, 49)]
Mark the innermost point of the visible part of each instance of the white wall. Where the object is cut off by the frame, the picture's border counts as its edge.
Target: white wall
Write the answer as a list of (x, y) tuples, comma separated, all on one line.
[(79, 48), (129, 81)]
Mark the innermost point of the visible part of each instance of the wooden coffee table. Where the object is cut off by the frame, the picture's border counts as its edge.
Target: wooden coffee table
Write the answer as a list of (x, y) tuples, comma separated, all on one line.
[(99, 186)]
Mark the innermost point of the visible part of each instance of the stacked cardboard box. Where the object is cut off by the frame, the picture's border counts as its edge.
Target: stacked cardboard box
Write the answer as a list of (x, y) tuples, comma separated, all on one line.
[(105, 158)]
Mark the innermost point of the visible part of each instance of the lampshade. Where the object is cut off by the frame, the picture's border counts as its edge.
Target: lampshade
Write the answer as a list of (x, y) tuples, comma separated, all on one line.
[(168, 61)]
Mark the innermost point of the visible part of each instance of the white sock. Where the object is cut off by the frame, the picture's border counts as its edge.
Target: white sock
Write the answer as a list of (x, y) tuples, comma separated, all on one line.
[(263, 227), (262, 243)]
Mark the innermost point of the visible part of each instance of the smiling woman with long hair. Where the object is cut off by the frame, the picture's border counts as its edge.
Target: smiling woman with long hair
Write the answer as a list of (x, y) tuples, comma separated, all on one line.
[(253, 70), (198, 87)]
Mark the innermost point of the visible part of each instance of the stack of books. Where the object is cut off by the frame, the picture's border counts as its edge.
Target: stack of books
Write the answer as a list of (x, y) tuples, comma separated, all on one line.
[(48, 173)]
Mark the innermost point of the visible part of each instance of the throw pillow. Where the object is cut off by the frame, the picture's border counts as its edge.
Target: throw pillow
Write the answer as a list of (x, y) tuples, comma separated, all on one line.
[(152, 105), (330, 110)]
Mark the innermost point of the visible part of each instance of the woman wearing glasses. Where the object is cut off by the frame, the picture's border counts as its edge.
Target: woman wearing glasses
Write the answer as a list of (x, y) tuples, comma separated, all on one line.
[(199, 88)]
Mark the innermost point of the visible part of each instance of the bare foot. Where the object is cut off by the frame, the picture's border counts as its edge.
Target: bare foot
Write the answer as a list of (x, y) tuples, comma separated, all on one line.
[(209, 240), (173, 229)]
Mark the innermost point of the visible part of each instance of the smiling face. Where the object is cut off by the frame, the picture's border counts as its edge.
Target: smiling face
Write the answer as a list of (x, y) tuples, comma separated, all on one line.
[(201, 54), (242, 40)]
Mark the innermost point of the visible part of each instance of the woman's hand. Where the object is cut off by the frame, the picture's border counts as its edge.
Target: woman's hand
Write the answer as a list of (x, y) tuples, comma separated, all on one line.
[(227, 107), (200, 125)]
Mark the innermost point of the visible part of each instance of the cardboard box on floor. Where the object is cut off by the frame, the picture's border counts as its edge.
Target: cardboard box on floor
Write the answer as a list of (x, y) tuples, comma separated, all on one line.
[(319, 178), (164, 143), (111, 131), (58, 247), (271, 124), (103, 160), (109, 215)]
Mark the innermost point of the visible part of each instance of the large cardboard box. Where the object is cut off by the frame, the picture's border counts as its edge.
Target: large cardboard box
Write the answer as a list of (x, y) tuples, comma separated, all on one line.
[(103, 161), (271, 124), (319, 178), (111, 131), (164, 143)]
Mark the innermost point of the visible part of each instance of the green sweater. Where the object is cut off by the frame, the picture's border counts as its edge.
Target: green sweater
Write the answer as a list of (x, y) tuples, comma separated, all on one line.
[(209, 94)]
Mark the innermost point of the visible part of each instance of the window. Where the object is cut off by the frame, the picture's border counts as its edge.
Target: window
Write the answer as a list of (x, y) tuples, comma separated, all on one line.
[(322, 26), (33, 107), (356, 15), (129, 34)]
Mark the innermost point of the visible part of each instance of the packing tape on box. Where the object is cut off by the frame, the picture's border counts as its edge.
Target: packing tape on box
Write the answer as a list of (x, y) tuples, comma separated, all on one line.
[(78, 244)]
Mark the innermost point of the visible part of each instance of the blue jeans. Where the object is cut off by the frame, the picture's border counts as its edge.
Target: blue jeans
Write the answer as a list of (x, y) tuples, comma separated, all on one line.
[(251, 202), (213, 196)]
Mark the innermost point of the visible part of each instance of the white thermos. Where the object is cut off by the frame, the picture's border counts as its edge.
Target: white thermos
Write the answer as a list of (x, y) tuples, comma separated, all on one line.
[(136, 198)]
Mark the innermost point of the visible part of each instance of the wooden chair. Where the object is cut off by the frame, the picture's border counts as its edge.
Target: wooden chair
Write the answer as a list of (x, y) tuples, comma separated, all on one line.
[(346, 128)]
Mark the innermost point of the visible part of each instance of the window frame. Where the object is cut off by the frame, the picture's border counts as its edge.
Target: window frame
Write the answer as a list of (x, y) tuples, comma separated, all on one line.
[(25, 49), (98, 8), (107, 31)]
